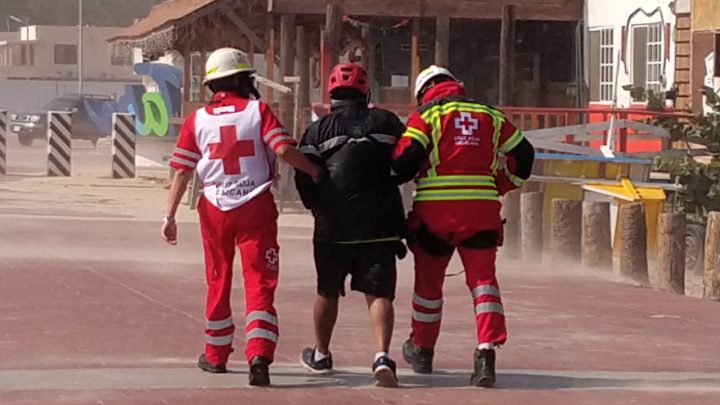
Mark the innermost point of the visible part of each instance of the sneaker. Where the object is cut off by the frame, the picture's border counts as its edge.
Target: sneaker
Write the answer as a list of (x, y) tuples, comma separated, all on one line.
[(484, 374), (420, 359), (384, 372), (259, 372), (307, 359), (210, 368)]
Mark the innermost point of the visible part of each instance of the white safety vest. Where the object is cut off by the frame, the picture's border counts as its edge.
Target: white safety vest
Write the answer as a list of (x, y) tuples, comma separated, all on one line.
[(236, 165)]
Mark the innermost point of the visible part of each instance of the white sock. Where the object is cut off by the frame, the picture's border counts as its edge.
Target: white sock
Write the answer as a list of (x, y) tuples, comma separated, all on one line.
[(319, 356), (380, 354), (486, 346)]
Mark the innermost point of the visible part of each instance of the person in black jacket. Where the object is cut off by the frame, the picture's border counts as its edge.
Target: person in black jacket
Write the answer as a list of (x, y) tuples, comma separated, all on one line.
[(359, 216)]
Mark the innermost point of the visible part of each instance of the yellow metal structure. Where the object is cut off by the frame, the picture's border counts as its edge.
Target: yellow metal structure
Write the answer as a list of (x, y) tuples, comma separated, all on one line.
[(625, 192)]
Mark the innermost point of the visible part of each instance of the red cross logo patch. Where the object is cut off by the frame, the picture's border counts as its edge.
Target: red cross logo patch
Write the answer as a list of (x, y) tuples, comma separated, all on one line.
[(466, 123)]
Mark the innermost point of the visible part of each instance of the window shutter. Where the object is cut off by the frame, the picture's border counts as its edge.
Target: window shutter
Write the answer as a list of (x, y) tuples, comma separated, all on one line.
[(639, 56), (595, 65)]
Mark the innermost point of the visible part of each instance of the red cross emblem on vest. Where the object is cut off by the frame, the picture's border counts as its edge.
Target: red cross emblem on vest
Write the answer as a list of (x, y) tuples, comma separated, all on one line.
[(231, 150), (466, 123)]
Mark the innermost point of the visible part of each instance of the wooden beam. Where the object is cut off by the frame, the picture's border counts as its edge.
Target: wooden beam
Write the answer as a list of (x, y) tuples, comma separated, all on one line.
[(442, 41), (257, 42), (414, 57), (333, 25), (329, 44), (369, 59), (203, 89), (270, 55), (187, 71), (537, 10), (287, 58), (302, 65), (507, 53), (287, 45)]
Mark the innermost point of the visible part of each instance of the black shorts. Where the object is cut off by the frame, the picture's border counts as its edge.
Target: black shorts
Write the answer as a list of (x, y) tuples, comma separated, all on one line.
[(371, 265)]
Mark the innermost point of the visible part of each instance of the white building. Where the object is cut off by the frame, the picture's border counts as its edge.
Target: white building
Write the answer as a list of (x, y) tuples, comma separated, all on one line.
[(39, 63), (631, 42)]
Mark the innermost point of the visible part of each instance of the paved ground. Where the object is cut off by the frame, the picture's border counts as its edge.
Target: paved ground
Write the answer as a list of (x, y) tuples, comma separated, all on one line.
[(96, 309)]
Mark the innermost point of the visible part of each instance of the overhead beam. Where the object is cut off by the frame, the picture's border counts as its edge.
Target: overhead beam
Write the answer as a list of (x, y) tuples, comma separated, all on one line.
[(545, 10)]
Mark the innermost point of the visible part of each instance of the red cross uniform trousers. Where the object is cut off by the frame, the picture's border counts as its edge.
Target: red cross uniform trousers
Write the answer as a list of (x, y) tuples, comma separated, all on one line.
[(231, 143), (457, 206)]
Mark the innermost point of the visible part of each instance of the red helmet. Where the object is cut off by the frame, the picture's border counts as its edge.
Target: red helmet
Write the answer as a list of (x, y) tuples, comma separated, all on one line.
[(349, 75)]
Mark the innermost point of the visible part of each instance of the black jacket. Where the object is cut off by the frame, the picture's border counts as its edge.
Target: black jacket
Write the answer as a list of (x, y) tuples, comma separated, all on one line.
[(358, 200)]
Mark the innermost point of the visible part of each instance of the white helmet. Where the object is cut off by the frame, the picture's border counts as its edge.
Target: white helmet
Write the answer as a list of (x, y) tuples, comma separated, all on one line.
[(226, 62), (430, 73)]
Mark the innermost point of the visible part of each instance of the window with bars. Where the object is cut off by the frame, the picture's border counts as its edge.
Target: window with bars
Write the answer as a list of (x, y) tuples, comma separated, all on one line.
[(602, 64), (647, 60), (654, 58), (607, 65)]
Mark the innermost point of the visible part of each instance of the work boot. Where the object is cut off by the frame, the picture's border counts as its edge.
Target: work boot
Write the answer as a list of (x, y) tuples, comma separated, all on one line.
[(385, 372), (259, 372), (210, 368), (420, 359), (484, 374), (307, 359)]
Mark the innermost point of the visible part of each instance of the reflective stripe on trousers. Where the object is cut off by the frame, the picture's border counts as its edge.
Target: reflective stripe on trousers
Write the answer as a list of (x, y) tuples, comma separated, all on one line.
[(258, 332), (220, 340), (427, 305), (219, 325)]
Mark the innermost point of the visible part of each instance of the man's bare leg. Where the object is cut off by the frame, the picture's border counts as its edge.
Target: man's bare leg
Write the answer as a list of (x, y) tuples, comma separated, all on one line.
[(382, 321), (325, 313)]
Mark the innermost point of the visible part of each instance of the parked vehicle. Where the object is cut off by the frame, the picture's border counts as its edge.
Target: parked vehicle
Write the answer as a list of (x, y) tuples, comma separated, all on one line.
[(33, 125)]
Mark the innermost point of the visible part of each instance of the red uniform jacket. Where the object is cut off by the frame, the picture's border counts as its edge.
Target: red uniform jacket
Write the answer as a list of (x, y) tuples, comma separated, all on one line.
[(454, 145)]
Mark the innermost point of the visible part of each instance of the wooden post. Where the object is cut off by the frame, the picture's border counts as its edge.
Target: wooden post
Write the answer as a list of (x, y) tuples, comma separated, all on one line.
[(251, 52), (633, 242), (507, 54), (596, 236), (302, 66), (566, 231), (671, 253), (287, 59), (203, 88), (711, 277), (531, 206), (187, 73), (370, 59), (414, 57), (329, 44), (287, 45), (512, 247), (442, 41), (270, 57)]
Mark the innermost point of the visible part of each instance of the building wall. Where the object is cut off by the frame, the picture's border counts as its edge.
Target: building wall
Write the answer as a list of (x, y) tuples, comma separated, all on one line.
[(613, 15), (97, 54), (706, 15), (705, 26)]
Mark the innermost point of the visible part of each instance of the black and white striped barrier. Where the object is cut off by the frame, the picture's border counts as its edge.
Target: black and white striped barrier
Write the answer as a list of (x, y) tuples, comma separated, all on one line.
[(59, 147), (123, 146), (3, 141)]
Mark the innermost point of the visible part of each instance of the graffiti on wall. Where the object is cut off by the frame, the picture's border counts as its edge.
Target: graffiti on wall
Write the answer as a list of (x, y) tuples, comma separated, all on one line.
[(152, 110)]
